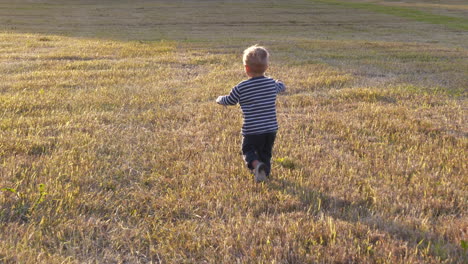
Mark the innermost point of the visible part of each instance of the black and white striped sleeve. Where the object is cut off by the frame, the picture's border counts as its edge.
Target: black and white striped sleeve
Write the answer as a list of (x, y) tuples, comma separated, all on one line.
[(232, 98), (280, 87)]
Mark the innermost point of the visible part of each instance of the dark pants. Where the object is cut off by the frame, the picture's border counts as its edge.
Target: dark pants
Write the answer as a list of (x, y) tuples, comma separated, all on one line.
[(258, 147)]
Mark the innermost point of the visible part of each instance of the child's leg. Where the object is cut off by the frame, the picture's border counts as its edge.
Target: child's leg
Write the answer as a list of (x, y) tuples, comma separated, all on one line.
[(267, 149), (251, 148)]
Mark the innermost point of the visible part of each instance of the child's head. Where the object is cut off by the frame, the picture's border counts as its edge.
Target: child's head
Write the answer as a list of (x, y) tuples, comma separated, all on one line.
[(255, 60)]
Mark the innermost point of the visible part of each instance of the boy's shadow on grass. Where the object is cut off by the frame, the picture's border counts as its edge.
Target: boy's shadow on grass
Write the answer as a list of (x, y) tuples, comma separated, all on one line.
[(316, 203)]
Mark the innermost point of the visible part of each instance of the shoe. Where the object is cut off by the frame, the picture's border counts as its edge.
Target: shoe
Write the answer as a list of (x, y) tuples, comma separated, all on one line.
[(260, 172)]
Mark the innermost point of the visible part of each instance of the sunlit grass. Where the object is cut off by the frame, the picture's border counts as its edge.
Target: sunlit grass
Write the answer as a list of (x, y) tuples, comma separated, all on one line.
[(114, 151)]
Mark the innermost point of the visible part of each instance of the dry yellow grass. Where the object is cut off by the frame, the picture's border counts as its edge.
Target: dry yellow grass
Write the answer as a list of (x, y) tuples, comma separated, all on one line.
[(112, 149)]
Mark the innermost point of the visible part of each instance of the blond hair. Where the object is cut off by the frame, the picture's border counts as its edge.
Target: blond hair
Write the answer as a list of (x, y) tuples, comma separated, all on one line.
[(256, 57)]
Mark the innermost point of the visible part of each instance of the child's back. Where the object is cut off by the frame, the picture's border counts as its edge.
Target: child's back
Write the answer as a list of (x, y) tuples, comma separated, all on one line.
[(257, 98)]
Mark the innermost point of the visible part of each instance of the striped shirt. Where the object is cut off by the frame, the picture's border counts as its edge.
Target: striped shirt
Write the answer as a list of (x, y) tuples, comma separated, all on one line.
[(257, 98)]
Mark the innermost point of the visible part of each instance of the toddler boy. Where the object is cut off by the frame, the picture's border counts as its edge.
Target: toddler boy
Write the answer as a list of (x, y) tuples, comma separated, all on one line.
[(257, 98)]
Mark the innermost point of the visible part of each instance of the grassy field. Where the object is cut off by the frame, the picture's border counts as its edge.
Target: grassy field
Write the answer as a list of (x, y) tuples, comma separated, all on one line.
[(112, 149)]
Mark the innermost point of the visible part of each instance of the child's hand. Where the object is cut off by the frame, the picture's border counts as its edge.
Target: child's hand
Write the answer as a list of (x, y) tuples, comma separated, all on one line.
[(279, 82), (219, 100)]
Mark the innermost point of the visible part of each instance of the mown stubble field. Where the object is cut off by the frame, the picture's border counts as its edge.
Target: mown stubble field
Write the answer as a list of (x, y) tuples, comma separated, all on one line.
[(112, 149)]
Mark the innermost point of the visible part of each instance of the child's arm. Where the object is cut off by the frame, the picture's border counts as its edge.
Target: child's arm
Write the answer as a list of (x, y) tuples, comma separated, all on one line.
[(231, 99), (280, 87)]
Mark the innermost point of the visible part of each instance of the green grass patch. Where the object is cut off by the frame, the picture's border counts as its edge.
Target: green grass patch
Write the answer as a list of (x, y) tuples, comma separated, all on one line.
[(421, 16), (286, 162)]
